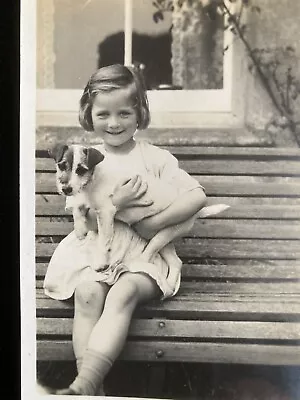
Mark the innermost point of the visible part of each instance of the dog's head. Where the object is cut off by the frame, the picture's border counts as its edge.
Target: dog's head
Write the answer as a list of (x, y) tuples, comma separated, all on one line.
[(74, 166)]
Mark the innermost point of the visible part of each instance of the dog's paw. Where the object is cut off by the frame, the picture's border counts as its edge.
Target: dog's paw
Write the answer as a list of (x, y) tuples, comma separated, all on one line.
[(80, 235)]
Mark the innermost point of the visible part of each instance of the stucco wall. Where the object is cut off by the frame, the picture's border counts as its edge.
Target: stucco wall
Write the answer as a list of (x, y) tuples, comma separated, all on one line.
[(276, 25)]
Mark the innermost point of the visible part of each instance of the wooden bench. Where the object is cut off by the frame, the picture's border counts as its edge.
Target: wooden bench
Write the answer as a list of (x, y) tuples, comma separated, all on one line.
[(239, 300)]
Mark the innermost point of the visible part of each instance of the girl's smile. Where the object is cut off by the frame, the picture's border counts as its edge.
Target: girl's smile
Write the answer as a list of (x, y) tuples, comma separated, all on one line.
[(114, 118)]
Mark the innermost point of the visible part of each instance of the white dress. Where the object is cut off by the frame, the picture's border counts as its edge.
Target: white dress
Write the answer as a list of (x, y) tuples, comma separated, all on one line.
[(70, 263)]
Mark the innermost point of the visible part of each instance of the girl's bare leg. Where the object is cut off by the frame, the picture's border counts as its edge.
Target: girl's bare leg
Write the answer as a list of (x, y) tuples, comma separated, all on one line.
[(89, 302), (121, 301), (109, 334)]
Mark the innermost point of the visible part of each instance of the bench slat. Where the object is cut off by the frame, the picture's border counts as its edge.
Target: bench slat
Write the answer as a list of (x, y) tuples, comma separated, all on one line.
[(220, 249), (288, 269), (232, 307), (160, 328), (216, 185), (231, 152), (186, 352), (265, 153), (196, 289), (217, 167), (236, 229), (240, 207)]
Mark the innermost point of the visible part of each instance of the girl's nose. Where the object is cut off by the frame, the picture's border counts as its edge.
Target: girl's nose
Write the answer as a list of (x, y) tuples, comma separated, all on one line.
[(113, 122)]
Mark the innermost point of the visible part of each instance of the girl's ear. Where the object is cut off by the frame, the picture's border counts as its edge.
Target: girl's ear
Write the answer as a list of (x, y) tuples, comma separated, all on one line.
[(57, 151), (93, 157)]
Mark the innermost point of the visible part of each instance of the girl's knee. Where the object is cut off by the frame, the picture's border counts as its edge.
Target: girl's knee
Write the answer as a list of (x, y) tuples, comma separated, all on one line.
[(89, 294), (124, 294)]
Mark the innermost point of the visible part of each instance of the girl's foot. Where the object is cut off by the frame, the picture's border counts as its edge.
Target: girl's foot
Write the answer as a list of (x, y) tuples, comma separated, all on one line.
[(67, 391), (100, 391)]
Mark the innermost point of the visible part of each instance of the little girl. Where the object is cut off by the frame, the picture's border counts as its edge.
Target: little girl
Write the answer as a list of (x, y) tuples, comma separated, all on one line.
[(114, 106)]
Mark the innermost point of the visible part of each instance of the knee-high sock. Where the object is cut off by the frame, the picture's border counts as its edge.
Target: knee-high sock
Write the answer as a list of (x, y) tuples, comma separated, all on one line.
[(100, 390), (78, 364), (92, 372)]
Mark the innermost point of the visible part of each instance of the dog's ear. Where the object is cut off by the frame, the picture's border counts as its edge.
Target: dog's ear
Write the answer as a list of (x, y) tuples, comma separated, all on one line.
[(57, 152), (93, 157)]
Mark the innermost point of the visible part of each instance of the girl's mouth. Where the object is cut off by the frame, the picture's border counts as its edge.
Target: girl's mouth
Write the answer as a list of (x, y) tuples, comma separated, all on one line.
[(114, 133)]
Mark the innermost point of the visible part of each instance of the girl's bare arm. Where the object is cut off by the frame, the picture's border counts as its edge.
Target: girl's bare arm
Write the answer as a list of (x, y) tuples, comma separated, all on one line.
[(185, 206)]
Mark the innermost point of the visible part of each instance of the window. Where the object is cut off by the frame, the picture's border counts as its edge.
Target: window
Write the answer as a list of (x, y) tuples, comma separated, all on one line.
[(189, 79)]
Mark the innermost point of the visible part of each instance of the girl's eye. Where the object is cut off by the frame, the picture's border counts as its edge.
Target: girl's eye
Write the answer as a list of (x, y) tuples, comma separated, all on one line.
[(102, 115), (62, 165), (80, 170), (125, 114)]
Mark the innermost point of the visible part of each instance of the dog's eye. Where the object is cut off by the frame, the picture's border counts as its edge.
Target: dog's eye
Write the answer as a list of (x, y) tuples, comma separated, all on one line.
[(80, 170), (62, 165)]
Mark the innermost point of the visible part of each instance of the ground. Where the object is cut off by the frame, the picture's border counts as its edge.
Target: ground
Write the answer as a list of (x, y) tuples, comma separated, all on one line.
[(189, 381)]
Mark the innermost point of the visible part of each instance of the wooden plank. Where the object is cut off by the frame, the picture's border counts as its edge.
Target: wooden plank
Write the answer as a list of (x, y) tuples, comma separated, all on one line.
[(203, 228), (218, 167), (258, 288), (232, 152), (220, 249), (194, 289), (245, 229), (164, 328), (253, 186), (287, 269), (205, 307), (242, 271), (186, 352), (186, 294), (216, 185), (241, 167), (240, 207)]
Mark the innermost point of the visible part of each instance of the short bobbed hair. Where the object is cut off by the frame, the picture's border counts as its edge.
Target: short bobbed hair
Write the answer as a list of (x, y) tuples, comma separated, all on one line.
[(114, 77)]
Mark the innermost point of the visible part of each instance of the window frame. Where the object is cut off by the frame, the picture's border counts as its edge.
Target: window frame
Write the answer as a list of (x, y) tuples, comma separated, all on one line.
[(178, 108)]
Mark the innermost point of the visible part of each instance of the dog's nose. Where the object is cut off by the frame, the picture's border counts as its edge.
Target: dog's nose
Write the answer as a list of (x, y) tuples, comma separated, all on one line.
[(67, 190)]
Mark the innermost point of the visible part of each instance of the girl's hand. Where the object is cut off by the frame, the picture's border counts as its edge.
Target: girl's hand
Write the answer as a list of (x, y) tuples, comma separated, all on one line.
[(128, 193)]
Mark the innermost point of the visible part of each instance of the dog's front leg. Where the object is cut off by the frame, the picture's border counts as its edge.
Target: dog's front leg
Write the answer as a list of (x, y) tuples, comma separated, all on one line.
[(105, 223), (80, 221)]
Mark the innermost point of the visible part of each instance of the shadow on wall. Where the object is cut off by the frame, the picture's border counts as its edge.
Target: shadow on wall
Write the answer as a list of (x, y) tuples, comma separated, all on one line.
[(152, 51)]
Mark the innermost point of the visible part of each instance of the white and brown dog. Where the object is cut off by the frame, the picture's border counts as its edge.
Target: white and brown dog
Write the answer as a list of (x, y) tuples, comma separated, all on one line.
[(85, 174)]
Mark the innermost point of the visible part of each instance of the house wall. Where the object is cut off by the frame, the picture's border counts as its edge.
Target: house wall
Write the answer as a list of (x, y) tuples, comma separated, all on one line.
[(276, 25)]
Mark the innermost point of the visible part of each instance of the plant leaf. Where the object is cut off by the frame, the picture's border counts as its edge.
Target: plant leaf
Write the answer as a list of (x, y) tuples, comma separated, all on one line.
[(158, 16)]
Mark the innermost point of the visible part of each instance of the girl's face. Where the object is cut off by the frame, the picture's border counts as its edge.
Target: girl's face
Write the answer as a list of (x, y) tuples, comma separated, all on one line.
[(114, 117)]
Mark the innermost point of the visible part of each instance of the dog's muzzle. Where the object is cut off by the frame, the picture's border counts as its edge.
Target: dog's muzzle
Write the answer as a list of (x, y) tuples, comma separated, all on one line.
[(67, 190)]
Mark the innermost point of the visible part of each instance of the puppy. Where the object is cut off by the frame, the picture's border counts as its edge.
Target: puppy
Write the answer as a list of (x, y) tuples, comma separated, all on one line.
[(85, 174)]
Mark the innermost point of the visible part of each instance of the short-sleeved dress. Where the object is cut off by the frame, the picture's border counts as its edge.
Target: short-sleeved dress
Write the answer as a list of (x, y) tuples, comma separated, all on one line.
[(70, 263)]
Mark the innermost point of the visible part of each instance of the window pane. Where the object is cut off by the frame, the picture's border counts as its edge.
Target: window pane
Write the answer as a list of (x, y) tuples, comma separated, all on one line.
[(183, 48), (77, 29)]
